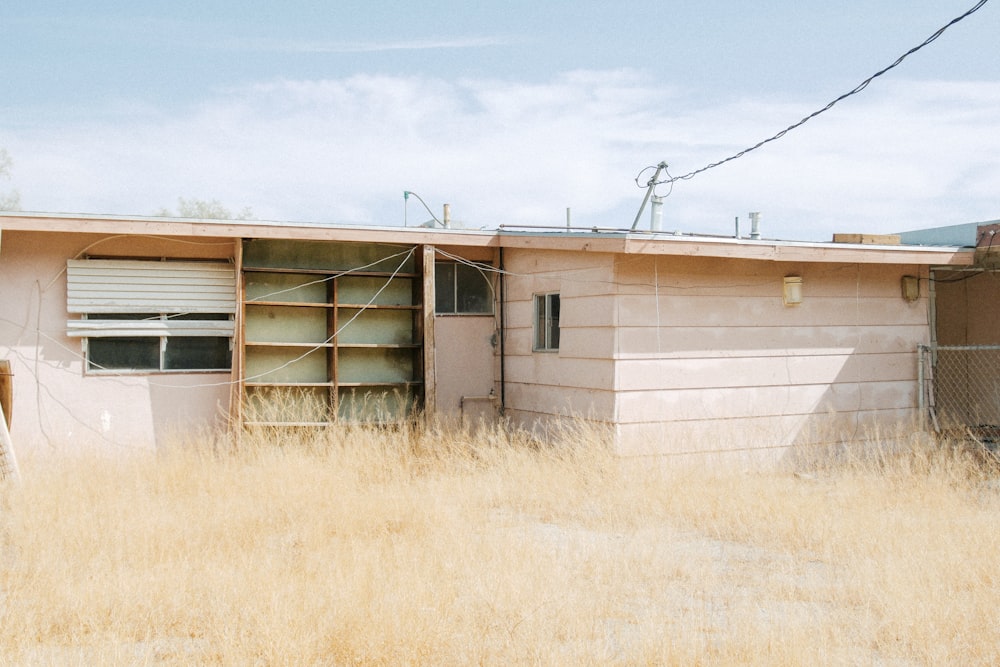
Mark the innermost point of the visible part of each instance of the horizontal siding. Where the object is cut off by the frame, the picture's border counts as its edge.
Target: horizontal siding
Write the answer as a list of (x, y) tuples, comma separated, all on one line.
[(575, 273), (766, 340), (770, 437), (747, 402), (546, 368), (128, 286), (735, 310), (706, 373), (589, 403), (707, 276), (580, 343), (586, 311)]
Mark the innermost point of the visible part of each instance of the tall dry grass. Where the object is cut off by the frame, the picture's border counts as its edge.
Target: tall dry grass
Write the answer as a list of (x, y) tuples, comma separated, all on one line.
[(448, 547)]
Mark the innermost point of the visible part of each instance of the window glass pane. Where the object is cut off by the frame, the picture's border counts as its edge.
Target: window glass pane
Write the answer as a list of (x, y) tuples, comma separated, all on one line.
[(123, 353), (553, 321), (546, 321), (444, 287), (473, 290), (200, 317), (197, 353), (540, 322)]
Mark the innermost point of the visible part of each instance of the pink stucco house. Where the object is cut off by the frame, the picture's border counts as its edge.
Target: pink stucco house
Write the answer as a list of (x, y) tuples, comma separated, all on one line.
[(126, 331)]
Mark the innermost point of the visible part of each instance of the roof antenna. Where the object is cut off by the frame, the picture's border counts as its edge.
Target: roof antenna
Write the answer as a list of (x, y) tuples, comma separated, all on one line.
[(649, 192)]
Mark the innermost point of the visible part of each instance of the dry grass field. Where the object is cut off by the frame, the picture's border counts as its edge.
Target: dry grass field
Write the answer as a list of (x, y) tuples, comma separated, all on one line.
[(405, 547)]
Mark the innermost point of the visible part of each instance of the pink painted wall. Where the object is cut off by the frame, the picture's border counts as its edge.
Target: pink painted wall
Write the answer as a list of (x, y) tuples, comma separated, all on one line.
[(694, 354), (467, 353), (58, 407), (709, 357), (465, 361), (578, 379)]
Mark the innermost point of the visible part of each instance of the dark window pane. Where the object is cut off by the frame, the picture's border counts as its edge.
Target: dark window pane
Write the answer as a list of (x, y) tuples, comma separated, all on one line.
[(123, 353), (546, 321), (201, 317), (197, 353), (540, 322), (444, 287), (473, 291), (553, 321)]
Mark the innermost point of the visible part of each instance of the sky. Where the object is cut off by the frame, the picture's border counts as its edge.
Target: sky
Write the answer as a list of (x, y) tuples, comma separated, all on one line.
[(510, 112)]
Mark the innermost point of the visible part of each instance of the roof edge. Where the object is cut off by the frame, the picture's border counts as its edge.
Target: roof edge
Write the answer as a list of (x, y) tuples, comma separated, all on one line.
[(608, 241)]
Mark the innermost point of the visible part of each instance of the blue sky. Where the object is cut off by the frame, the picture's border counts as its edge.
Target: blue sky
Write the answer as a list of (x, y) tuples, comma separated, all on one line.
[(511, 112)]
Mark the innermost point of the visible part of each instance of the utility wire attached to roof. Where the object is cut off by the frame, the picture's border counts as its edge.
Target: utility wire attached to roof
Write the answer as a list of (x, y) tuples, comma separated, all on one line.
[(861, 86), (406, 198)]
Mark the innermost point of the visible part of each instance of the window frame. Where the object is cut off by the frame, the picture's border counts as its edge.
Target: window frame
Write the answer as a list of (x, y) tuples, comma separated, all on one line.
[(162, 342), (546, 327), (456, 284)]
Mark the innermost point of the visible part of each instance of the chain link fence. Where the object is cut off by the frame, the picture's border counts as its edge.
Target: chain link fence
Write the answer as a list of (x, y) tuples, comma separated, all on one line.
[(960, 390)]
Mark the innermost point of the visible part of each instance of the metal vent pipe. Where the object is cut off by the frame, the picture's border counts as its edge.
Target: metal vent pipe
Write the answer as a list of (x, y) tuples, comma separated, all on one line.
[(656, 214), (755, 225)]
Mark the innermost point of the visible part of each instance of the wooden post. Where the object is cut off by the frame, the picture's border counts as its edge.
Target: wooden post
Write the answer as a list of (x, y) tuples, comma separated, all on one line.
[(237, 391), (6, 390), (427, 309), (8, 463)]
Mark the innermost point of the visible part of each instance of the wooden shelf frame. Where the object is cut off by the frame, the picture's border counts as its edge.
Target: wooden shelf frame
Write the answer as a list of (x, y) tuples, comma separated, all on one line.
[(411, 292)]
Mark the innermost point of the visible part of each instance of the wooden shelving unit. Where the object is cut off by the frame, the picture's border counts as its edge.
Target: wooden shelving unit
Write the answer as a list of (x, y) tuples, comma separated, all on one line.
[(328, 343)]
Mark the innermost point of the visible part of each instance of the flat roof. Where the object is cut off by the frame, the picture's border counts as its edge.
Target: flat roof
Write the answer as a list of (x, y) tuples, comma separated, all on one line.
[(965, 234), (559, 239)]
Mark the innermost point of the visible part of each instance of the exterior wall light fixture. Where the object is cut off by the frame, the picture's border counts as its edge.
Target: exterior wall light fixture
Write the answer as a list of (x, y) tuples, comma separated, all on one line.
[(910, 286), (792, 292)]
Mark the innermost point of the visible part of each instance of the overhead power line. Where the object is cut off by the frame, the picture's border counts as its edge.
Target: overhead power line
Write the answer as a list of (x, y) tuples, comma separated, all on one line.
[(857, 89)]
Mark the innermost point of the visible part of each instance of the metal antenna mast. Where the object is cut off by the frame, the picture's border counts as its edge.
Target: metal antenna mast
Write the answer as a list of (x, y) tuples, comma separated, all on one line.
[(649, 192)]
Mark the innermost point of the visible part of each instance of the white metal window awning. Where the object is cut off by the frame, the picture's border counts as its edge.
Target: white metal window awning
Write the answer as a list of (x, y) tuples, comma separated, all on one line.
[(129, 328), (96, 286)]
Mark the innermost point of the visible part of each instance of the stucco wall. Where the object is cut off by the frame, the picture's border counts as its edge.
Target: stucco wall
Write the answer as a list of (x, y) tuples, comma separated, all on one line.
[(56, 405), (709, 358), (578, 378)]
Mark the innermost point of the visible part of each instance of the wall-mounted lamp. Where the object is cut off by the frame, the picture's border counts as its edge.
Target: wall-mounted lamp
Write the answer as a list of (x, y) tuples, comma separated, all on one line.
[(792, 292), (910, 286)]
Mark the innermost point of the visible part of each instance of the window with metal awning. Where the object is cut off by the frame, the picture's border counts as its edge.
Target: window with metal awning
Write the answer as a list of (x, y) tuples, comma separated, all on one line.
[(148, 315)]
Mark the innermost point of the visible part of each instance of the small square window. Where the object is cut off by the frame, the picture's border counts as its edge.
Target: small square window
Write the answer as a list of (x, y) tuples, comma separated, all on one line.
[(546, 322)]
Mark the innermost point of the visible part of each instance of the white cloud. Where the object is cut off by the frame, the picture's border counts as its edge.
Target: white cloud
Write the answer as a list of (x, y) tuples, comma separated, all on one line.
[(897, 156)]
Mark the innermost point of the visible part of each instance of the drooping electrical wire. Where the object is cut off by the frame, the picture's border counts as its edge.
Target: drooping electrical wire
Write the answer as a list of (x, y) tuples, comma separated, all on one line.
[(857, 89)]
